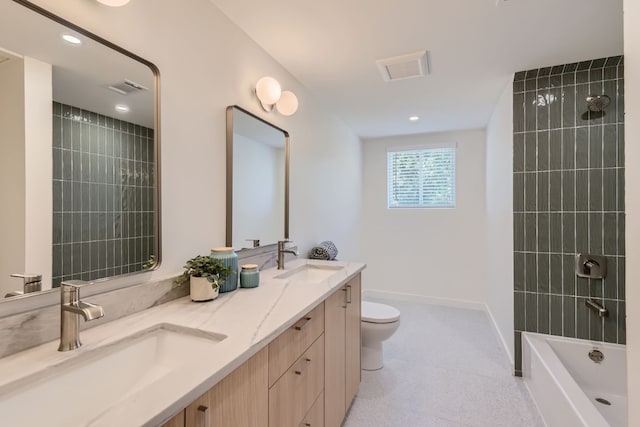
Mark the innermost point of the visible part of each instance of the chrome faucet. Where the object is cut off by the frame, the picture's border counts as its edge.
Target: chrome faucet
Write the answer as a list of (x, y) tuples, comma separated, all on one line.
[(589, 264), (598, 308), (71, 308), (281, 251)]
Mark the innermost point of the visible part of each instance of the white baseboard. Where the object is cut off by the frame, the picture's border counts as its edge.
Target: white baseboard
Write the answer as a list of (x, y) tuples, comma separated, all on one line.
[(449, 302), (502, 339)]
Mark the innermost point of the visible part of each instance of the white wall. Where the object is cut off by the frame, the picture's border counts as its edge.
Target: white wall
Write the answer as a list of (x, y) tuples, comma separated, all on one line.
[(12, 179), (499, 203), (25, 171), (433, 254), (258, 203), (38, 134), (207, 63), (632, 200)]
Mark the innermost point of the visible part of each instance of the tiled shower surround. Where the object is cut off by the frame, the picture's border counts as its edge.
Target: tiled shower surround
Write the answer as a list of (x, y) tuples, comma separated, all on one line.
[(102, 195), (568, 198)]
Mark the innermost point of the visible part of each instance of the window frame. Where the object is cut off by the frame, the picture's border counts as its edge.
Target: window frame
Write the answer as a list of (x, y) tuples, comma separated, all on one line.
[(423, 148)]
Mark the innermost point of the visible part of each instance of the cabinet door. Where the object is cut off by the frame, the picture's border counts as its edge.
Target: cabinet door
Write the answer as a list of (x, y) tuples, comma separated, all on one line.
[(242, 398), (288, 347), (315, 416), (294, 393), (198, 413), (353, 339), (177, 421), (334, 380)]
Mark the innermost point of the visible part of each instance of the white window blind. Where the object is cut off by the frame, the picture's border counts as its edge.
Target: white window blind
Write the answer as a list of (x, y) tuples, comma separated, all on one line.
[(421, 178)]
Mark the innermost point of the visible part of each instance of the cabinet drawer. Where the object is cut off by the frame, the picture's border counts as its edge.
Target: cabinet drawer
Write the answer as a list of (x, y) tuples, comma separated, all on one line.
[(288, 347), (315, 416), (294, 393)]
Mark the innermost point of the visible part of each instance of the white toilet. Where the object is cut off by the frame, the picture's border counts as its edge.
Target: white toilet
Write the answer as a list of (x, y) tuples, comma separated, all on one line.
[(378, 323)]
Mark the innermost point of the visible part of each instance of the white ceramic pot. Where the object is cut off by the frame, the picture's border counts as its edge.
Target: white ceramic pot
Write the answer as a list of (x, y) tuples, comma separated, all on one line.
[(202, 289)]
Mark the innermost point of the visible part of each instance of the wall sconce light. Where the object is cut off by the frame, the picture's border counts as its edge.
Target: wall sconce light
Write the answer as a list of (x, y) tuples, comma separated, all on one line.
[(113, 3), (270, 95)]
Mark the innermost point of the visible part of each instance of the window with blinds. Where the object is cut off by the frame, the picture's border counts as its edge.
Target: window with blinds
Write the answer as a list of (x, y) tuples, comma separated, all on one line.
[(422, 178)]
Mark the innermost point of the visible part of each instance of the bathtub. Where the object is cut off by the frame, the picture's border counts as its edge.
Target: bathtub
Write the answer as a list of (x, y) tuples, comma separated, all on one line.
[(565, 383)]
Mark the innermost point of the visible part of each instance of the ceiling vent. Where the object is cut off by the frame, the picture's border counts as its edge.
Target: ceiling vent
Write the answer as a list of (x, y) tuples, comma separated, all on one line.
[(127, 87), (404, 66)]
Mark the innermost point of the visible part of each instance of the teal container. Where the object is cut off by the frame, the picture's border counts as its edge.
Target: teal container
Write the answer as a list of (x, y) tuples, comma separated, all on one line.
[(249, 276), (230, 260)]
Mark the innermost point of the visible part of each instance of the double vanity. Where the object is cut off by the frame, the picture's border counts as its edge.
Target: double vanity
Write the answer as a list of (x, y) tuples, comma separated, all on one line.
[(284, 354)]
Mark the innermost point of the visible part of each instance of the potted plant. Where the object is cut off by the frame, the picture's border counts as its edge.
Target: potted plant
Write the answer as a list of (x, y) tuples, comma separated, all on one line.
[(204, 273)]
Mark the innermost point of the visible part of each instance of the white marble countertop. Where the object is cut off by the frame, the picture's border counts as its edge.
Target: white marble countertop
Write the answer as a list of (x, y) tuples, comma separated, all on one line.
[(249, 318)]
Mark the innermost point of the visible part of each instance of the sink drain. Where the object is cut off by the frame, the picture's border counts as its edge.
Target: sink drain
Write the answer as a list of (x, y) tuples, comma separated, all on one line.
[(603, 401), (596, 355)]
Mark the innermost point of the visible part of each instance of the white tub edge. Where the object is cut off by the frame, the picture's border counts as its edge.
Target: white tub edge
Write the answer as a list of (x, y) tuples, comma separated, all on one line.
[(583, 412)]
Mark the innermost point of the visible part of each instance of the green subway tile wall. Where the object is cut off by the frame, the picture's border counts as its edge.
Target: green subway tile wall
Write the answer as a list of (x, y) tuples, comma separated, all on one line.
[(103, 189), (568, 198)]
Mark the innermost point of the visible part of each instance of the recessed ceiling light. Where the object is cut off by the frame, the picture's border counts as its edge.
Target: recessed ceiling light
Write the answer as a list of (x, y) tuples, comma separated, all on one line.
[(71, 39), (121, 108), (114, 3), (414, 118)]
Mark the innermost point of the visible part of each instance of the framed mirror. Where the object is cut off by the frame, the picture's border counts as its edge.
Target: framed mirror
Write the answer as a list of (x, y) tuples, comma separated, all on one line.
[(257, 181), (79, 158)]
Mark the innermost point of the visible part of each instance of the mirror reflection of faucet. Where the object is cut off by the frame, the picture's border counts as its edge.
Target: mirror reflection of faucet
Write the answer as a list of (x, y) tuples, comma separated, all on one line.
[(255, 242), (30, 283), (281, 251)]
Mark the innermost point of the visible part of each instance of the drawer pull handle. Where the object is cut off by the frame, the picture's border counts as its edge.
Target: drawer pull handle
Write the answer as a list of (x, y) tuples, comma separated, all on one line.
[(299, 372), (348, 294), (302, 324), (204, 410)]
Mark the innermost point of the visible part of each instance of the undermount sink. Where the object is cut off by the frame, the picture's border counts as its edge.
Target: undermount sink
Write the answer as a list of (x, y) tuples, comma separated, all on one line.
[(79, 390), (310, 272)]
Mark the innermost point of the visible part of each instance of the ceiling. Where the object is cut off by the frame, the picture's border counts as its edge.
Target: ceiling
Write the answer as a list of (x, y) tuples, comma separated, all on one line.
[(81, 74), (331, 47)]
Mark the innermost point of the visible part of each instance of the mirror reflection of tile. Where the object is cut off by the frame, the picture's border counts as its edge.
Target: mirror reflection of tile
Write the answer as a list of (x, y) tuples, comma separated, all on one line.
[(103, 188)]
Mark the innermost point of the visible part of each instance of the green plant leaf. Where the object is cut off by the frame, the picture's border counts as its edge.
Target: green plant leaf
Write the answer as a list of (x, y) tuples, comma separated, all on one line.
[(204, 266)]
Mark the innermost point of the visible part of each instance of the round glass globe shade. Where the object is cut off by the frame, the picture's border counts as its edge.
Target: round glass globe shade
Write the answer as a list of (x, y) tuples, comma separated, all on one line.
[(288, 103), (268, 90)]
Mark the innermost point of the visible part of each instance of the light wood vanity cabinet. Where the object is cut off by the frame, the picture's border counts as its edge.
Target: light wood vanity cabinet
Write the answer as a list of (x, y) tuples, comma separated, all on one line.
[(239, 400), (289, 345), (353, 340), (295, 392), (315, 416), (198, 413), (176, 421), (306, 377), (342, 356)]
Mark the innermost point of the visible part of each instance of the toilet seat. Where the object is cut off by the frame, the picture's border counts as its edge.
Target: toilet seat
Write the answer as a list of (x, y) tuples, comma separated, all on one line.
[(373, 312)]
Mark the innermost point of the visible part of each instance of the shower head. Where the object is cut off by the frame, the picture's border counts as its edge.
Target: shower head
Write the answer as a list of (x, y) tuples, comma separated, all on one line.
[(597, 103)]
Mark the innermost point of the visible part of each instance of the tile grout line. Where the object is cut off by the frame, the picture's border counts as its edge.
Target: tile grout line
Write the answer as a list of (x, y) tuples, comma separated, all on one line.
[(536, 216), (575, 231)]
